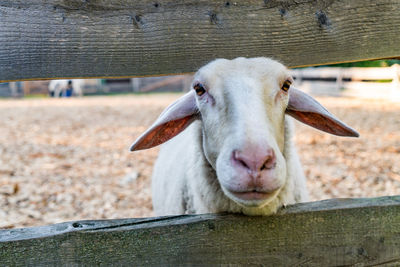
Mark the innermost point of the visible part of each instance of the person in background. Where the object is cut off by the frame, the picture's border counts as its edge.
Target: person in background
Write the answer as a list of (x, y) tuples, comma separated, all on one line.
[(69, 89)]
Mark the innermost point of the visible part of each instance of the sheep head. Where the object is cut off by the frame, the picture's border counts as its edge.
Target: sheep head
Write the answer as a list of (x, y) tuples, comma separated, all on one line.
[(242, 104)]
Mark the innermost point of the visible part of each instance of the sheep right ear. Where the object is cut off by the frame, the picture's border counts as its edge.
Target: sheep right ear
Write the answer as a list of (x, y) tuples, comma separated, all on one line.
[(173, 120)]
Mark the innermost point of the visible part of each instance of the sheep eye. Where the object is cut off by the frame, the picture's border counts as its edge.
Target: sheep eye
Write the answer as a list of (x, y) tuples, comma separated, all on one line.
[(286, 85), (199, 88)]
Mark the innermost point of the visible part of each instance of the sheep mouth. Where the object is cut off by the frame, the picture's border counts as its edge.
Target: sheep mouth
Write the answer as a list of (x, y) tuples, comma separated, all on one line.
[(254, 195)]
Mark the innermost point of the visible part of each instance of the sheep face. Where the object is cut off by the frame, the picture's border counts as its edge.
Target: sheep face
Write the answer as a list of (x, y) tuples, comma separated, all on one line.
[(242, 106)]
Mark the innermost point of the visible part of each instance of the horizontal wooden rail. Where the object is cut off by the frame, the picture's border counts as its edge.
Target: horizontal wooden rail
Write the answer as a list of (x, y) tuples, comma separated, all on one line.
[(43, 39), (359, 232)]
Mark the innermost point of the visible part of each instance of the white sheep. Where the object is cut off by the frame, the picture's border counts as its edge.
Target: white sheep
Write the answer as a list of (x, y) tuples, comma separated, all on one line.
[(237, 153)]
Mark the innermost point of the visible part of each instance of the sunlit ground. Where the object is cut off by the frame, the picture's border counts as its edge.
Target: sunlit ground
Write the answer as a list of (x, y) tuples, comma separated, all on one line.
[(68, 159)]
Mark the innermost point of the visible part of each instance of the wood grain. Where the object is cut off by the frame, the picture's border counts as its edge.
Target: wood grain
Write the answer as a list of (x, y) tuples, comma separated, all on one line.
[(337, 232), (119, 38)]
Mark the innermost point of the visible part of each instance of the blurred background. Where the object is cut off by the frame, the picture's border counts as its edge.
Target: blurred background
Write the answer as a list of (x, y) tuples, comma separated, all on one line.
[(64, 143)]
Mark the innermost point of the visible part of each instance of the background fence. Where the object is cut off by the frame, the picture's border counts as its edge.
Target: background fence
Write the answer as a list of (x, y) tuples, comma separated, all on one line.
[(379, 82), (356, 82)]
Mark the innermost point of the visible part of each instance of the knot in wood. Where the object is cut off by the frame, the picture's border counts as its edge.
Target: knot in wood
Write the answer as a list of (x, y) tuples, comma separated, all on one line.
[(323, 20), (213, 17)]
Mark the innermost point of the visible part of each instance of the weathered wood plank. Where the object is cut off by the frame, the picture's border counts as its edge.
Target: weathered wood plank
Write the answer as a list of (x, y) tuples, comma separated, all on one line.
[(328, 233), (42, 39)]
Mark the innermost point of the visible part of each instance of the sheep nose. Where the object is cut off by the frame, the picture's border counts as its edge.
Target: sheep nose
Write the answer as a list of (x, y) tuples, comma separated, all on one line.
[(255, 161)]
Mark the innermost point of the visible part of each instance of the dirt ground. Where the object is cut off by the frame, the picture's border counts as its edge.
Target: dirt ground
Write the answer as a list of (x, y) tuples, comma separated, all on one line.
[(68, 159)]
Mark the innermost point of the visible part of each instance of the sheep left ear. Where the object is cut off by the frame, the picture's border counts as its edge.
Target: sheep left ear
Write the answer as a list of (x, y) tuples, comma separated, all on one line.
[(307, 110), (173, 120)]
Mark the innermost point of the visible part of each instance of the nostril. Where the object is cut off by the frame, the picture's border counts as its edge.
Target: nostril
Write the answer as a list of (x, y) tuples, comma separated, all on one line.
[(263, 167), (239, 160), (269, 161), (269, 164)]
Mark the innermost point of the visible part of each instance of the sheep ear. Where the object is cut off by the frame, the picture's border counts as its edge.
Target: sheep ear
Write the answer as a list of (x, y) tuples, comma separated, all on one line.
[(173, 120), (307, 110)]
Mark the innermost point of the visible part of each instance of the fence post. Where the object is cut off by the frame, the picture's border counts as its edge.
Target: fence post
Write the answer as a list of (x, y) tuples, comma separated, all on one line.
[(14, 89), (396, 81), (396, 75), (339, 79), (27, 88), (186, 83), (298, 73), (135, 84)]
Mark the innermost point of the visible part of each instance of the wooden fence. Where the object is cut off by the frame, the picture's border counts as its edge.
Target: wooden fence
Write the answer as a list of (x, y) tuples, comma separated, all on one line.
[(337, 232), (118, 38), (45, 39)]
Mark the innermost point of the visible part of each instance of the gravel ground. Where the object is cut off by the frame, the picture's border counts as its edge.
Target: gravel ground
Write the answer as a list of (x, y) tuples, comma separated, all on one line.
[(68, 159)]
